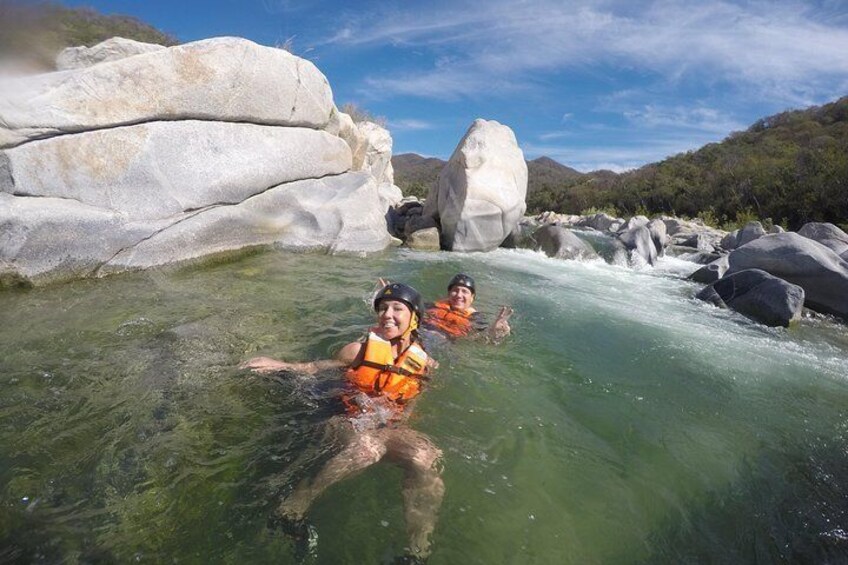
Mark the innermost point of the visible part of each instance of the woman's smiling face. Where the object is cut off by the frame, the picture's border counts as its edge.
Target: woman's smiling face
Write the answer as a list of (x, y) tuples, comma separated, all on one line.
[(393, 317)]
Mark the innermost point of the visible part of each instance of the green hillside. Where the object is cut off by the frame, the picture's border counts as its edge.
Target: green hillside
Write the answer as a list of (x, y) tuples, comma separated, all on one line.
[(791, 167), (35, 32), (415, 174)]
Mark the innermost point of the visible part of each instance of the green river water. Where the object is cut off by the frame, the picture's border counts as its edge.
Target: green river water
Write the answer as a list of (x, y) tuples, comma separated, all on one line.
[(622, 422)]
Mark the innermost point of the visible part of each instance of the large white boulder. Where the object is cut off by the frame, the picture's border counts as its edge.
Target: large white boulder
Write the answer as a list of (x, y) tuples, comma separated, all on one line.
[(177, 154), (223, 79), (156, 170), (49, 239), (353, 136), (480, 196), (378, 152), (110, 50)]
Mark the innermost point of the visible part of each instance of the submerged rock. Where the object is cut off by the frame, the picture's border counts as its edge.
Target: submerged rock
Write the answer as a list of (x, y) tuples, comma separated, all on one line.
[(710, 272), (639, 242), (559, 242)]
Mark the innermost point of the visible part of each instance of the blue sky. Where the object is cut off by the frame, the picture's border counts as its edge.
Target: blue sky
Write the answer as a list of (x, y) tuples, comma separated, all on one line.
[(604, 84)]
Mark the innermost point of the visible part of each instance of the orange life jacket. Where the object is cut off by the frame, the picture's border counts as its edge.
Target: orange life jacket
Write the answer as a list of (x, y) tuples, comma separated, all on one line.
[(453, 323), (380, 373)]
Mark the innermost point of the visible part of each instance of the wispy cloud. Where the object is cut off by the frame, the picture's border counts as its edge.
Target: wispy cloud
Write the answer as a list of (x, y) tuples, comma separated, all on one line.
[(621, 156), (410, 124), (551, 135), (701, 119), (451, 83), (783, 45)]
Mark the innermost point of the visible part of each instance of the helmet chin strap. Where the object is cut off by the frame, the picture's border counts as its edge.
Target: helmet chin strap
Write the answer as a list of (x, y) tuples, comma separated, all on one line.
[(413, 325)]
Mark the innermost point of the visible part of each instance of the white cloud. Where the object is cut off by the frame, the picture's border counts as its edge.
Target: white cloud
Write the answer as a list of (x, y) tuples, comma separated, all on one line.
[(784, 45), (548, 136), (410, 124), (443, 84), (706, 120), (620, 157)]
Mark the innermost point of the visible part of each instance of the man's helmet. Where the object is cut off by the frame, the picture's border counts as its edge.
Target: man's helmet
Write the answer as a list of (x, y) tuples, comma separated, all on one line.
[(462, 280), (402, 292)]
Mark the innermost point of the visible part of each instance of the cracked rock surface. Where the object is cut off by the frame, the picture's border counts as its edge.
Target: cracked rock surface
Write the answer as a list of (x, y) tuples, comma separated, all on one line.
[(175, 154)]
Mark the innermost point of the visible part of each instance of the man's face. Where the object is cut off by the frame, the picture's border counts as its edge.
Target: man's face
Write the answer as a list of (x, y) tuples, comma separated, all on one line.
[(460, 297)]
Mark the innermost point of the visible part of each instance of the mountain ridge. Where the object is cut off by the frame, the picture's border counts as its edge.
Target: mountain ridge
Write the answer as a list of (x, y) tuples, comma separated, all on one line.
[(791, 167)]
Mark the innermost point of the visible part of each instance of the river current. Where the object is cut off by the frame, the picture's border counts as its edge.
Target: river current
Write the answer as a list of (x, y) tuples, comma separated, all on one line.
[(622, 422)]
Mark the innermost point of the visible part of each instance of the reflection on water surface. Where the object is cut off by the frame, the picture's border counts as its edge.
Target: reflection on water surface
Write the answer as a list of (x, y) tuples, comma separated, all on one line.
[(623, 422)]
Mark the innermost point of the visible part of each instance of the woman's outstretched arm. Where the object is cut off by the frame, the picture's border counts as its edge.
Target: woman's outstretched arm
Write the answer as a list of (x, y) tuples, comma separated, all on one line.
[(345, 358)]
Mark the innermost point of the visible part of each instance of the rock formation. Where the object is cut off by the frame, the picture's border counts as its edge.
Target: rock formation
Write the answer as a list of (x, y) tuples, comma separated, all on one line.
[(480, 196), (794, 258), (177, 153), (757, 295), (559, 242), (828, 235), (109, 50)]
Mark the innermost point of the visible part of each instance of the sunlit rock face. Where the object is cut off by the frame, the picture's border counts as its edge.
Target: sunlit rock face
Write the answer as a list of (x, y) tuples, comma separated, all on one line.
[(105, 51), (222, 79), (480, 196), (177, 153), (802, 261), (828, 235)]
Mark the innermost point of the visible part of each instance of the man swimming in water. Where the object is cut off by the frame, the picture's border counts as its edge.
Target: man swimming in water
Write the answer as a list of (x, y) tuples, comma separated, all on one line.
[(455, 316), (384, 372)]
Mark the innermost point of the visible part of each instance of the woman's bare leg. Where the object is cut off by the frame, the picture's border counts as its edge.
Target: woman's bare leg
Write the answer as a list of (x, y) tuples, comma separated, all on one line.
[(423, 488), (363, 450)]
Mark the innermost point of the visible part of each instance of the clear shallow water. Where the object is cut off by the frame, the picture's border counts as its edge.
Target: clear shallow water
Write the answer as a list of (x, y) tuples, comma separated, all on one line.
[(623, 422)]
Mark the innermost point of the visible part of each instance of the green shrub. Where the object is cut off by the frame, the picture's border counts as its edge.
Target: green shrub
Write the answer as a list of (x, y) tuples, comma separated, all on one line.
[(609, 210)]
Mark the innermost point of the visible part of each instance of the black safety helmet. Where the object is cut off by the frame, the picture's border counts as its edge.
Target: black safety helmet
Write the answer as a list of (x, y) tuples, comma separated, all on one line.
[(402, 292), (462, 280)]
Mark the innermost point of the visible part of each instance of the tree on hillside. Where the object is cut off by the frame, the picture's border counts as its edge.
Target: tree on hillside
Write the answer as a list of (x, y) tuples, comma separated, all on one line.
[(791, 167), (37, 32)]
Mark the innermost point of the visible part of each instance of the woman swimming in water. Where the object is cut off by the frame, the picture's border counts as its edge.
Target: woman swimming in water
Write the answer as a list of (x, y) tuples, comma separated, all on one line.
[(384, 372)]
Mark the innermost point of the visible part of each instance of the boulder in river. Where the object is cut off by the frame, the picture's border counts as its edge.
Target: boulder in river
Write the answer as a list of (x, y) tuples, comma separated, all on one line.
[(639, 242), (794, 258), (559, 242), (480, 196), (710, 272), (757, 295), (177, 153), (828, 235)]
